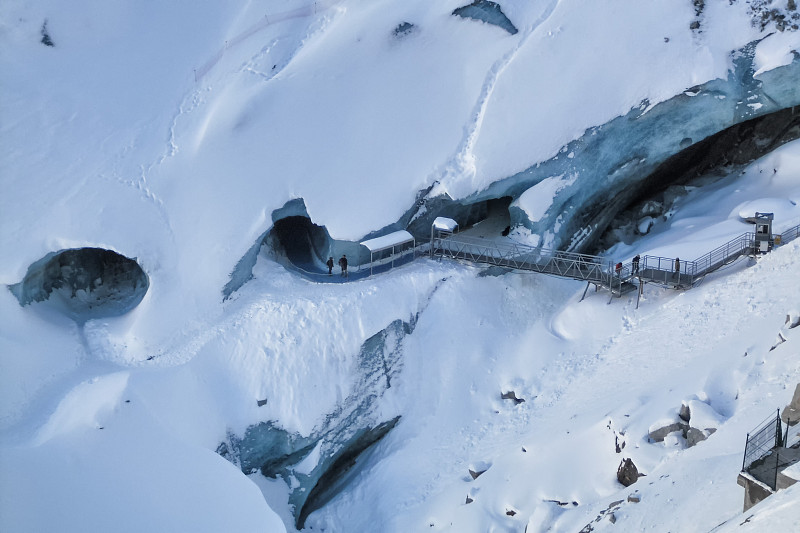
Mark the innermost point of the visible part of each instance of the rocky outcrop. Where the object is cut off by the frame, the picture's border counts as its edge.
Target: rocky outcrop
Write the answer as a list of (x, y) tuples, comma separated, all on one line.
[(695, 421)]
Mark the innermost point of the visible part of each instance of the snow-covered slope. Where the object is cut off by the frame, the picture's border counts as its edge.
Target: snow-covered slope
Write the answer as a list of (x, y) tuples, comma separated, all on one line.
[(171, 132)]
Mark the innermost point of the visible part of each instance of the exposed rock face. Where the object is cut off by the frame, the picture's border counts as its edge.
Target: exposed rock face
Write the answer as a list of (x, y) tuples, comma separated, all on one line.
[(627, 473)]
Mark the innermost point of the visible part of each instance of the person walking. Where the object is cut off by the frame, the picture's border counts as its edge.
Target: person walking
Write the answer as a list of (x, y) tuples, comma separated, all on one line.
[(618, 269), (635, 264), (330, 265), (678, 267), (343, 265)]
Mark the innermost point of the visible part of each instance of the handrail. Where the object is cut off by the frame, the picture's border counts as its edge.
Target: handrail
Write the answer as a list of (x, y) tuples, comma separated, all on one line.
[(790, 234), (591, 268), (594, 268)]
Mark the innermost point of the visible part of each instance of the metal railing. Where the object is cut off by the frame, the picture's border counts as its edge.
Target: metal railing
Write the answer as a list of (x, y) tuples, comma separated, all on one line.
[(790, 234), (668, 271), (728, 252), (591, 268), (761, 450)]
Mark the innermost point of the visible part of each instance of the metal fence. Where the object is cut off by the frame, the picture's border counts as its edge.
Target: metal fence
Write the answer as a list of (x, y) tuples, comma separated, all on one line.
[(762, 449), (728, 252), (591, 268), (790, 234)]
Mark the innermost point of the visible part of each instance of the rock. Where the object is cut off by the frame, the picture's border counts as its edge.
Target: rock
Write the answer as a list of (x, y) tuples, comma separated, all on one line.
[(511, 395), (634, 498), (469, 500), (474, 474), (658, 434), (693, 436), (612, 518), (704, 416), (511, 512), (261, 402), (613, 506), (627, 473), (685, 413)]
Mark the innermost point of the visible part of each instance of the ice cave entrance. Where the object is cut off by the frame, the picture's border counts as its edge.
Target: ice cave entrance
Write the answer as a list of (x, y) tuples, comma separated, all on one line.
[(84, 283), (487, 219), (301, 242)]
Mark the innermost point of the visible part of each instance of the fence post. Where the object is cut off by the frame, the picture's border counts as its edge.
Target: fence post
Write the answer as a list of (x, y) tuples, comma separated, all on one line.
[(744, 459), (777, 463)]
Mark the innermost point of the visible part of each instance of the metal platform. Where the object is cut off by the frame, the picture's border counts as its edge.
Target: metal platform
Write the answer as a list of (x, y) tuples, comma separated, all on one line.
[(602, 272), (589, 268)]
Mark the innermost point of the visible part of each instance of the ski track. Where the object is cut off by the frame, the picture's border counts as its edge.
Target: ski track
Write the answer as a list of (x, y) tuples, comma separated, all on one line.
[(462, 162)]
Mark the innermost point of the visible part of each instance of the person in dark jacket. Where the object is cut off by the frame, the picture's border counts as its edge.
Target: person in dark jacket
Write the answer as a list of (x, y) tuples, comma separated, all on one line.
[(678, 267), (635, 264), (343, 264), (330, 265)]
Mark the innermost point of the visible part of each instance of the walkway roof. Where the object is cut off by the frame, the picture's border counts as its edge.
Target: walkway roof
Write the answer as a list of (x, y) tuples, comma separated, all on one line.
[(445, 224), (388, 241)]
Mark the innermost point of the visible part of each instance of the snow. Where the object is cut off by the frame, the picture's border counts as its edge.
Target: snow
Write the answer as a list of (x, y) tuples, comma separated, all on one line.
[(445, 224), (703, 416), (170, 133), (792, 471), (538, 199), (776, 50), (388, 241)]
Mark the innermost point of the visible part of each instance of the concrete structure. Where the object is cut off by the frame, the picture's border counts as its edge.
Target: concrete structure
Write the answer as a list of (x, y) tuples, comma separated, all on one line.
[(772, 456)]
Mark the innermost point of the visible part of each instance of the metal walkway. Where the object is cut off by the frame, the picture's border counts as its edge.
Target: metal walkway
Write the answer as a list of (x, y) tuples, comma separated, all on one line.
[(590, 268), (664, 271)]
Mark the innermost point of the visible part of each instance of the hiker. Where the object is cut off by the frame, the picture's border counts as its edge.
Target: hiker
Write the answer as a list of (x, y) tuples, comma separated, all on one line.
[(635, 264), (618, 268), (343, 264), (330, 265), (678, 266)]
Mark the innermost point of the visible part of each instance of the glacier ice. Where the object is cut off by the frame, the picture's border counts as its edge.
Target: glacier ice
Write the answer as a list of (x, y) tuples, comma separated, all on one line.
[(356, 424), (611, 166), (84, 283), (487, 11)]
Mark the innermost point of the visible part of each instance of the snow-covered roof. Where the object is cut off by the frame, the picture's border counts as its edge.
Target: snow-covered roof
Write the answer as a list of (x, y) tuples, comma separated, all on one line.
[(387, 241), (445, 224)]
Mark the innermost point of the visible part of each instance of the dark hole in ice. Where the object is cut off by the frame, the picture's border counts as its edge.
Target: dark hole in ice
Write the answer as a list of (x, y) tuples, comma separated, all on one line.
[(300, 241), (84, 283), (703, 162)]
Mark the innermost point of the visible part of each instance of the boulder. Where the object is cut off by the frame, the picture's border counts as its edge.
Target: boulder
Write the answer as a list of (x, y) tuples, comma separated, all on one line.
[(511, 395), (704, 416), (685, 413), (627, 473), (693, 436), (658, 431)]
